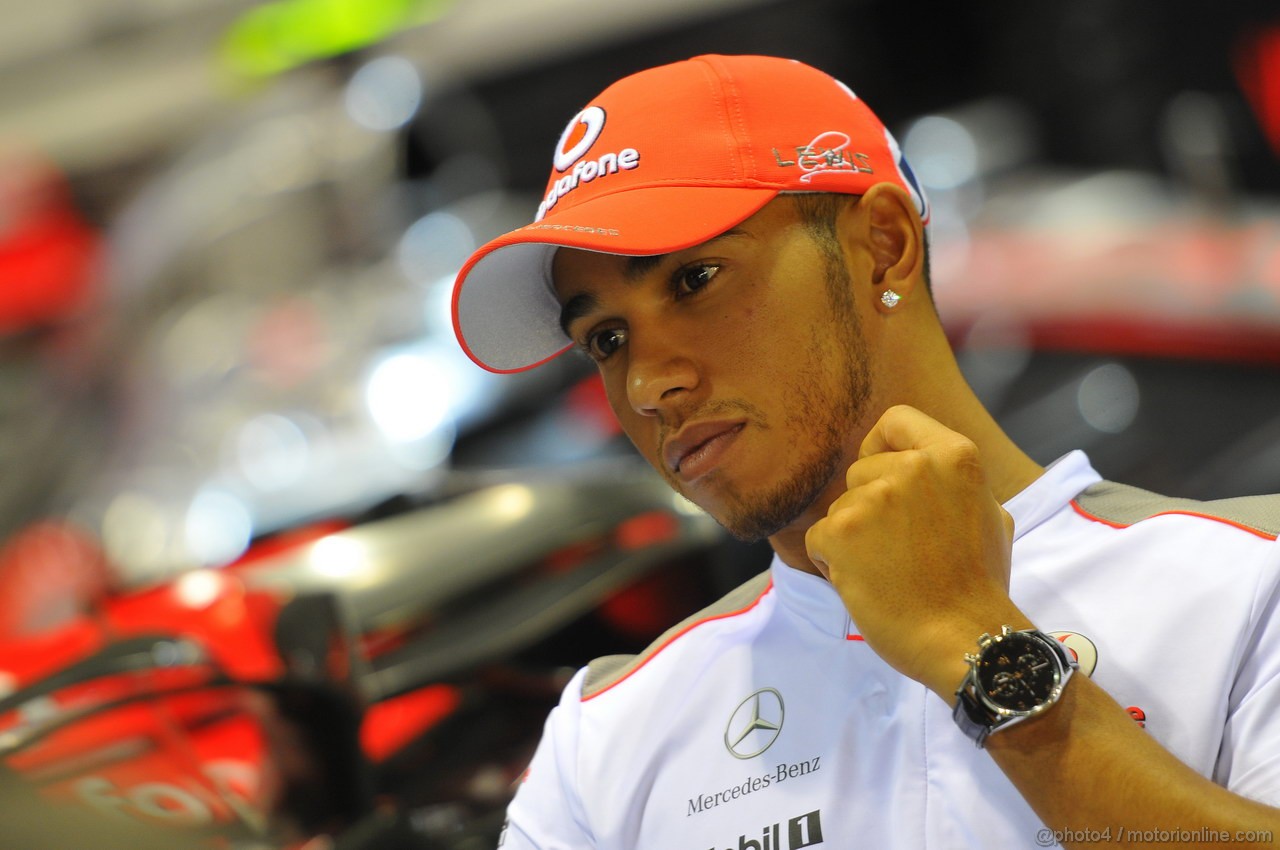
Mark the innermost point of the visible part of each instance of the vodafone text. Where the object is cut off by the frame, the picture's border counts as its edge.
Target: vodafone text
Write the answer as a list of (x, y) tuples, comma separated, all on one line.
[(802, 831), (584, 171), (781, 773)]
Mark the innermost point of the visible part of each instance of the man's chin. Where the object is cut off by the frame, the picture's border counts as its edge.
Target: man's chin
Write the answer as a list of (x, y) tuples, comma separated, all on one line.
[(739, 520), (757, 515), (753, 523)]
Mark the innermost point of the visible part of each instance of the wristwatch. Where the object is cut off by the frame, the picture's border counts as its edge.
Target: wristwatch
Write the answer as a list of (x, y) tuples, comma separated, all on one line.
[(1012, 676)]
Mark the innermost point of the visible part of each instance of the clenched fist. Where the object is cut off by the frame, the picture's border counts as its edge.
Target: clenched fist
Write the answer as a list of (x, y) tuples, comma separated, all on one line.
[(918, 548)]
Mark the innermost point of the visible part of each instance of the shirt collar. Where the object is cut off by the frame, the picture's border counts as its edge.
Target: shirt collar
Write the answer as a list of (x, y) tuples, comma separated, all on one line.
[(1061, 482), (812, 597)]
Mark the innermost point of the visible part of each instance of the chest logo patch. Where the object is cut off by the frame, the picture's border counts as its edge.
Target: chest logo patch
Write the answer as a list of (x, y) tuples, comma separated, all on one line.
[(755, 724), (1081, 648)]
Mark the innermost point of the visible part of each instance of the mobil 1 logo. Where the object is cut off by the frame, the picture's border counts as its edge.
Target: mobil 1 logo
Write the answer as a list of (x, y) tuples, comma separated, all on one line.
[(798, 832)]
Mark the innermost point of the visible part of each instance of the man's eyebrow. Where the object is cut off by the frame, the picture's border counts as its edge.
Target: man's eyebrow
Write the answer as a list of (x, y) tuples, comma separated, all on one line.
[(575, 308), (636, 267)]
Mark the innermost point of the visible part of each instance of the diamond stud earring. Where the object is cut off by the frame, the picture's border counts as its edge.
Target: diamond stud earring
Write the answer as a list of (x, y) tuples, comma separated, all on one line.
[(890, 298)]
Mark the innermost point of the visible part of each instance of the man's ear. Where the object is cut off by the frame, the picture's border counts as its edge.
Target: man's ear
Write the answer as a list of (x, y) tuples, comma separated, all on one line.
[(893, 237)]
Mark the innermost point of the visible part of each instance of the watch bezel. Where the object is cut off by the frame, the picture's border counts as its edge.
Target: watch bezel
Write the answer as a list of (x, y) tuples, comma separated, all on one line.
[(977, 715), (991, 645)]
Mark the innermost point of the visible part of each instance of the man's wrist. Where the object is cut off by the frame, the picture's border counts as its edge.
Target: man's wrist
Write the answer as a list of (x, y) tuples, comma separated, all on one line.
[(951, 667)]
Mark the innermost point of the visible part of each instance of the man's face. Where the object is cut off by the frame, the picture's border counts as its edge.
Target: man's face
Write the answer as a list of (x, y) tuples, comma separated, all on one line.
[(737, 367)]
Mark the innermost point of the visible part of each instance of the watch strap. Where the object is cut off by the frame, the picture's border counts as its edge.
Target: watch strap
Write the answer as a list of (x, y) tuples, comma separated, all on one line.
[(974, 721)]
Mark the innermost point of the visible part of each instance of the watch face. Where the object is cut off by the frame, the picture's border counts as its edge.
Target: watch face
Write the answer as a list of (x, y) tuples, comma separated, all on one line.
[(1018, 673)]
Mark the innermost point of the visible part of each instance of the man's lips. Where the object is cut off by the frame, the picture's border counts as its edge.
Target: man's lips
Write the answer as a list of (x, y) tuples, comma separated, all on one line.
[(696, 448)]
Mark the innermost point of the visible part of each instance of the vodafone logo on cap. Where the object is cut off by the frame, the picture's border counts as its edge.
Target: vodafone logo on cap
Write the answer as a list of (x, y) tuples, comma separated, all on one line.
[(581, 133), (577, 139)]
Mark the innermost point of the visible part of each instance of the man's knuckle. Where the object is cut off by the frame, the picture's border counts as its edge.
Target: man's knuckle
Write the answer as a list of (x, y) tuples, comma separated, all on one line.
[(848, 520), (813, 532), (879, 491), (915, 463), (852, 474), (963, 456)]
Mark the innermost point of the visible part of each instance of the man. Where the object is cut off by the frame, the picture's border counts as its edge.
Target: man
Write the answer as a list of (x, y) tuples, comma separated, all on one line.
[(739, 245)]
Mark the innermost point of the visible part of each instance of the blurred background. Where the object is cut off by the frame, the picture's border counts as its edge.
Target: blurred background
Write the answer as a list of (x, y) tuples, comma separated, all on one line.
[(227, 373)]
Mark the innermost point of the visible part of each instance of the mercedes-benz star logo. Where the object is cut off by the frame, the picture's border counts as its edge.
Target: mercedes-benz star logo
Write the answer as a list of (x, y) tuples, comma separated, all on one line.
[(754, 724)]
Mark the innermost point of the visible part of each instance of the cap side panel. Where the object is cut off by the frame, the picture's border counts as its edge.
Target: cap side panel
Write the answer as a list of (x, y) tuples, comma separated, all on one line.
[(737, 134)]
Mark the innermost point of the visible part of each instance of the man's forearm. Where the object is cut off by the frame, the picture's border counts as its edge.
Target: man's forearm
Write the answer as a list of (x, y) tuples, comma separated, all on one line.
[(1094, 776)]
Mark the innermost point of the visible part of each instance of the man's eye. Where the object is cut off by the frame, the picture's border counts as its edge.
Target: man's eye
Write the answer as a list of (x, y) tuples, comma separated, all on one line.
[(601, 345), (690, 280)]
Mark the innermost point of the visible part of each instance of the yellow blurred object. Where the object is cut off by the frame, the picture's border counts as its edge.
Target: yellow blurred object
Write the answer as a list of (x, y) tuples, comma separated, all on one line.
[(274, 37)]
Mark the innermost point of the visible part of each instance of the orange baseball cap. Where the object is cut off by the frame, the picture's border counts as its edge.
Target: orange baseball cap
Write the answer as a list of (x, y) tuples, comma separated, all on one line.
[(663, 160)]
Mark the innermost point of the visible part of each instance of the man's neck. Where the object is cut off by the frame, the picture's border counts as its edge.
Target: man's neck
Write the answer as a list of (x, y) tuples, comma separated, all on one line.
[(1008, 469)]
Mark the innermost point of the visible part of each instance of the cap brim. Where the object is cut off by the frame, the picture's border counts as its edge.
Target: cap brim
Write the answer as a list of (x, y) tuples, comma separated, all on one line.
[(505, 311)]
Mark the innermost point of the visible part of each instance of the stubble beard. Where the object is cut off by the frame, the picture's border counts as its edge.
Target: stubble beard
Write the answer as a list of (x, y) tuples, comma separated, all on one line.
[(825, 419)]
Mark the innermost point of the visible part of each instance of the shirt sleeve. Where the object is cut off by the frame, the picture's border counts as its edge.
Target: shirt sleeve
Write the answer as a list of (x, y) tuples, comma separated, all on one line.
[(1249, 760), (547, 811)]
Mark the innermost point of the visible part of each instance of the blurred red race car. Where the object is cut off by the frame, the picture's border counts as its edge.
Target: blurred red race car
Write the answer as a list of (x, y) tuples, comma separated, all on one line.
[(376, 685)]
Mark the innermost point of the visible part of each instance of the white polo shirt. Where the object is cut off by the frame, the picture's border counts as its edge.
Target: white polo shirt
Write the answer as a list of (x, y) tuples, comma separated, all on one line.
[(765, 723)]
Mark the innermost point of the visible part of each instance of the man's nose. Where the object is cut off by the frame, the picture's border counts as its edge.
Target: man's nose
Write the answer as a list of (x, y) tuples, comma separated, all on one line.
[(658, 377)]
